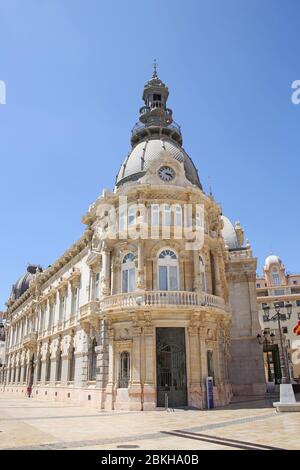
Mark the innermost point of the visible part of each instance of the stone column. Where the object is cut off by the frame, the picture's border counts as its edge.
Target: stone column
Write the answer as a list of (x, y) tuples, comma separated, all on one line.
[(149, 368), (195, 390), (102, 361), (64, 369), (217, 274), (141, 269), (110, 388), (203, 362), (135, 387), (53, 371), (81, 368), (105, 271), (197, 281)]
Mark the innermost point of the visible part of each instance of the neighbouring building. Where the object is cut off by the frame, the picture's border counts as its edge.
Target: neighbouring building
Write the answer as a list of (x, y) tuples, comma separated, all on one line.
[(134, 310), (276, 286), (2, 345)]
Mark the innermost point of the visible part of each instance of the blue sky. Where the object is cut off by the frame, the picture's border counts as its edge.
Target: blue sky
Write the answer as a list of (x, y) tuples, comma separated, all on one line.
[(74, 72)]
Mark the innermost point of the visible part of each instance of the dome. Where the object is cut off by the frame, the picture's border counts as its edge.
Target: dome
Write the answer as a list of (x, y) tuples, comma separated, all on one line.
[(229, 233), (146, 152), (272, 259), (23, 282)]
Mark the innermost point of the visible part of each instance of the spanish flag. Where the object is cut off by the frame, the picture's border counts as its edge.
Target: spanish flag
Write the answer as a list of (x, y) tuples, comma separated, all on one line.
[(297, 329)]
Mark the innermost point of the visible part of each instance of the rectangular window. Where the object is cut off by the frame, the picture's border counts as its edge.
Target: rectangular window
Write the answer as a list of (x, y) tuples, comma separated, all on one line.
[(131, 215), (155, 215), (163, 278), (279, 292), (125, 280), (298, 303), (166, 220), (51, 314), (62, 307), (276, 279), (75, 300), (258, 286), (178, 217), (285, 329), (122, 220), (96, 290), (173, 278), (131, 286)]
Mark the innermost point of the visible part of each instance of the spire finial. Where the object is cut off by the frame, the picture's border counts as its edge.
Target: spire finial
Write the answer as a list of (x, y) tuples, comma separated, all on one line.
[(155, 64)]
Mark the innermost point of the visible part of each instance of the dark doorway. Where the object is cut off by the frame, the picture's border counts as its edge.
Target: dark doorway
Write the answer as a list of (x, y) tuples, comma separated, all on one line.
[(171, 366), (272, 363)]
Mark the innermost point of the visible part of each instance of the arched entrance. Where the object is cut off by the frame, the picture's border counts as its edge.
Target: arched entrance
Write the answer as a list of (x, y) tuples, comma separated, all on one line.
[(171, 366)]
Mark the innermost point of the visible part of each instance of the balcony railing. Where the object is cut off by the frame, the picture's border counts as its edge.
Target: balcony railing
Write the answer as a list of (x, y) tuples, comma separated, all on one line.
[(161, 299), (30, 339), (139, 126), (89, 310)]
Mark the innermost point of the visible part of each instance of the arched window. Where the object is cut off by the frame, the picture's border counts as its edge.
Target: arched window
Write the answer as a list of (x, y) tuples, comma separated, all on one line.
[(92, 361), (128, 273), (124, 374), (58, 366), (202, 275), (71, 371), (168, 270)]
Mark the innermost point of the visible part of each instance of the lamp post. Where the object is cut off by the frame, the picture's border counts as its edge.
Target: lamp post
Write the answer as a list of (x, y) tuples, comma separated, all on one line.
[(277, 316), (266, 342)]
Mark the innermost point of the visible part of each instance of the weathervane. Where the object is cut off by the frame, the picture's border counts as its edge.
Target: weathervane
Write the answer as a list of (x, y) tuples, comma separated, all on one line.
[(155, 64)]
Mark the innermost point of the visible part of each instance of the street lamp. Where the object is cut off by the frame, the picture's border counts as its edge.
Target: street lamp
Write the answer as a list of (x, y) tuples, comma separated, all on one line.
[(277, 316), (266, 342)]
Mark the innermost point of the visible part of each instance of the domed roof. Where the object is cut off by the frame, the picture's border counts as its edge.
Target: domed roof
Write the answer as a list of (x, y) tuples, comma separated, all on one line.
[(229, 233), (272, 259), (147, 151), (23, 282)]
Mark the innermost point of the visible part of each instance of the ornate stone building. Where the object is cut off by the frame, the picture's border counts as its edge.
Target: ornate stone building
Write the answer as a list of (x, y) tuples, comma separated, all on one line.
[(277, 286), (139, 307)]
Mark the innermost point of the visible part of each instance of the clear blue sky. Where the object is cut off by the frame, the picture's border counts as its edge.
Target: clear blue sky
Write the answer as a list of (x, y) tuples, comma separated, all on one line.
[(74, 71)]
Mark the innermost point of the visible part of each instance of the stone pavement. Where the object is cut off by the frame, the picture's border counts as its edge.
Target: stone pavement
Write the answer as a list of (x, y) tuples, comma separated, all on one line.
[(27, 423)]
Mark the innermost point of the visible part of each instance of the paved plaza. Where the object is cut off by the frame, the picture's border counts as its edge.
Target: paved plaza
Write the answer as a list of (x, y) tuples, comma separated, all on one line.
[(28, 423)]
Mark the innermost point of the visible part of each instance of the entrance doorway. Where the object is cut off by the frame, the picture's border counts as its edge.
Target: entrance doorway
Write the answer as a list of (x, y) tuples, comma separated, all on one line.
[(171, 367)]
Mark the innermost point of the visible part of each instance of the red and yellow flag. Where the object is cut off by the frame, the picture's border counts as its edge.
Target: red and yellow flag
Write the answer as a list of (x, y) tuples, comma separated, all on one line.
[(297, 329)]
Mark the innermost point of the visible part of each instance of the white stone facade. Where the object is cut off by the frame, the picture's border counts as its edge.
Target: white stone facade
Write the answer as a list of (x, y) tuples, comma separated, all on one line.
[(120, 321)]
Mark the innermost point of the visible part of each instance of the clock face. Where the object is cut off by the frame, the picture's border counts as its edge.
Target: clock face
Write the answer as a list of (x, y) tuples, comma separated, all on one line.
[(166, 173)]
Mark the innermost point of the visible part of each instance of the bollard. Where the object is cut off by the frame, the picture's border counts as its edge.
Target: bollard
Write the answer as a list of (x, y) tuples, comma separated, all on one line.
[(166, 402)]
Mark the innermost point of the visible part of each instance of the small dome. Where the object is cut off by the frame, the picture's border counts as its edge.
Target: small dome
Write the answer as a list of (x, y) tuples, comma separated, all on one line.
[(272, 259), (23, 282), (229, 233), (147, 151)]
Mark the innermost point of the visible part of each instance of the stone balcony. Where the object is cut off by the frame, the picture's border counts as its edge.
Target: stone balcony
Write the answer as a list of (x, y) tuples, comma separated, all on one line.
[(30, 340), (161, 299), (89, 311)]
